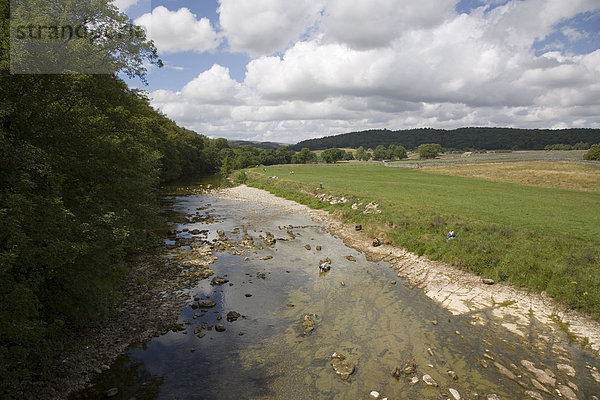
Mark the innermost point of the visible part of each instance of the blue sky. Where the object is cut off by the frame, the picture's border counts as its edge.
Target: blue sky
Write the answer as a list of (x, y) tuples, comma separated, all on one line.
[(288, 70)]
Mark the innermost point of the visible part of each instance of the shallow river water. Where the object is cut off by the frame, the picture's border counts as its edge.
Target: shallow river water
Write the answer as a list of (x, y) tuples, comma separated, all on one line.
[(360, 309)]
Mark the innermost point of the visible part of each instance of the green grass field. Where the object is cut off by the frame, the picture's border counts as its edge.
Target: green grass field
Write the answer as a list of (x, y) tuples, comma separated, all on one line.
[(540, 238)]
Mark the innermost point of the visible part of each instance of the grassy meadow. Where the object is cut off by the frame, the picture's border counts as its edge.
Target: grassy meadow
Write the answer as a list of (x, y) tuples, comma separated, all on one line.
[(541, 238)]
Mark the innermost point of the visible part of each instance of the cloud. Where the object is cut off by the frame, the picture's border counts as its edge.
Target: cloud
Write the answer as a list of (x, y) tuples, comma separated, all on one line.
[(123, 5), (364, 24), (177, 31), (423, 66), (263, 27), (214, 86)]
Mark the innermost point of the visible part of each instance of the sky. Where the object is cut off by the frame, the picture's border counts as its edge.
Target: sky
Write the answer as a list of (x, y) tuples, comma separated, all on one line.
[(290, 70)]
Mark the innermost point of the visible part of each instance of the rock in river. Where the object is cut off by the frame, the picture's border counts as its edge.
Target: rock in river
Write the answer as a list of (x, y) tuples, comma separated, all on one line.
[(233, 316), (455, 394), (206, 303), (220, 328), (429, 380), (410, 367), (218, 281), (308, 324), (342, 367)]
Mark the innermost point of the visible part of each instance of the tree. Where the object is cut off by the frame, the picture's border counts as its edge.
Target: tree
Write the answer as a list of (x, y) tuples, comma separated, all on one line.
[(429, 150), (81, 159), (348, 156), (381, 153), (593, 153), (304, 156), (360, 154), (332, 155), (400, 152)]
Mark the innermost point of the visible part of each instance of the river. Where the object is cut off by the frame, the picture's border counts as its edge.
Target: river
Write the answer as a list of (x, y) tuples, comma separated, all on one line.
[(359, 308)]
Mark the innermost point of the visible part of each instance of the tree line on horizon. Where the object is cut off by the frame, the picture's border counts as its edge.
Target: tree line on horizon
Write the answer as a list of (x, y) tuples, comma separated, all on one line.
[(458, 139)]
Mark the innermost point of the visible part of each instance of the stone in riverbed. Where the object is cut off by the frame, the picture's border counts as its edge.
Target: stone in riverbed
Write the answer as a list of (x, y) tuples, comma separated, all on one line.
[(342, 367), (453, 375), (567, 392), (410, 367), (218, 281), (454, 393), (376, 242), (307, 247), (429, 380), (111, 392), (545, 377), (488, 281), (233, 316), (206, 303), (308, 324), (220, 328), (534, 395), (567, 369), (506, 372)]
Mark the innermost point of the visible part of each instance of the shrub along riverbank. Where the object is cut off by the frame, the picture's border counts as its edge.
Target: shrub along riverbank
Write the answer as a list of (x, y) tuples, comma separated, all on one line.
[(539, 238)]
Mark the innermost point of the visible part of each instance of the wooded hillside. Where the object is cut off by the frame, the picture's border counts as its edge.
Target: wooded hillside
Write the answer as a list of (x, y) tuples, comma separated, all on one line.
[(459, 139)]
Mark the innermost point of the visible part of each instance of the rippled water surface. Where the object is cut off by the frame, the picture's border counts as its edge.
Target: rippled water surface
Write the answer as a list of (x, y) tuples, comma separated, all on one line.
[(360, 308)]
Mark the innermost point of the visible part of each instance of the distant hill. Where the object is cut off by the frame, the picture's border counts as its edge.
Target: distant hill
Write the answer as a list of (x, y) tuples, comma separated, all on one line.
[(459, 139), (258, 145)]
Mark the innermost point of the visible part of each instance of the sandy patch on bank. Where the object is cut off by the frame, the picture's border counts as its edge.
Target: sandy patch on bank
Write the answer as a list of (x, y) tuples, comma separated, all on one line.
[(461, 293)]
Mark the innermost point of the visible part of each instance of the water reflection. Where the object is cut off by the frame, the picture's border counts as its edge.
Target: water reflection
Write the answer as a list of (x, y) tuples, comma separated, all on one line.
[(128, 378)]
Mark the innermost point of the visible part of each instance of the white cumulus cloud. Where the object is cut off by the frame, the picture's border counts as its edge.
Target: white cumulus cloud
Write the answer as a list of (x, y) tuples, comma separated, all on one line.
[(177, 31), (262, 27), (376, 63)]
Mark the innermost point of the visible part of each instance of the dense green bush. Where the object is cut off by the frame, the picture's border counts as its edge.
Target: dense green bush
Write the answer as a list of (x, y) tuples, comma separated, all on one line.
[(429, 150), (593, 153)]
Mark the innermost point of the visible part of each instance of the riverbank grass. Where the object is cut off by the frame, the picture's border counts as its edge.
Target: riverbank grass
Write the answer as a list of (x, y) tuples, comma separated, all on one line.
[(539, 238)]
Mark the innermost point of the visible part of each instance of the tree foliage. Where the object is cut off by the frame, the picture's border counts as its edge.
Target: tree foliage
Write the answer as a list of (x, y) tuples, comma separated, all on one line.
[(304, 156), (593, 154), (429, 150), (81, 157), (332, 155)]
